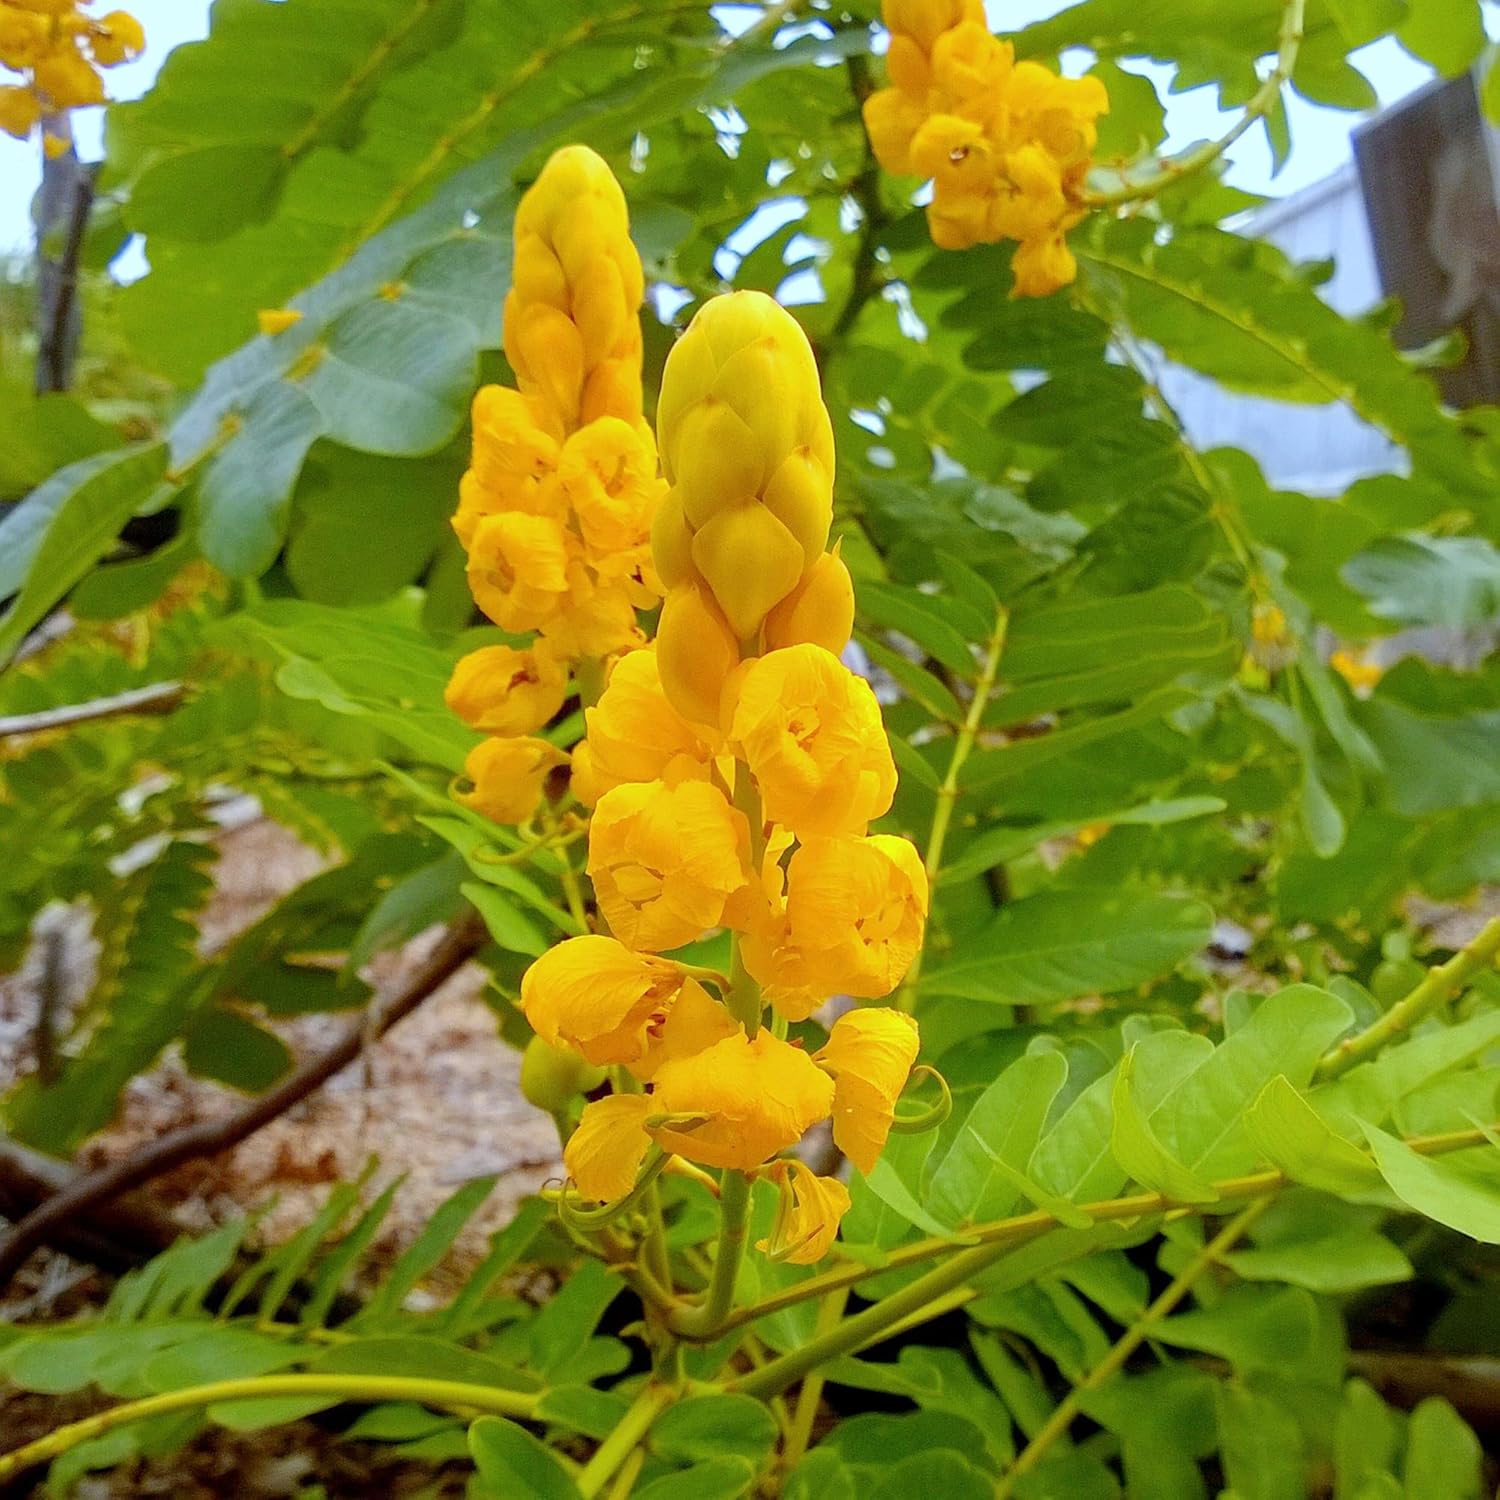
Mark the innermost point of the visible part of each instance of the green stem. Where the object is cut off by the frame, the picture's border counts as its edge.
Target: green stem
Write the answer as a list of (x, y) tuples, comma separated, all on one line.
[(1439, 986), (1019, 1230), (1063, 1415), (619, 1445), (705, 1321), (947, 795), (744, 997), (1261, 103), (811, 1394), (450, 1395)]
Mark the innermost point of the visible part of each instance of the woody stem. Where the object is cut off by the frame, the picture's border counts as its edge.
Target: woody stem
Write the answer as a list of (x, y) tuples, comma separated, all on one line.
[(734, 1206)]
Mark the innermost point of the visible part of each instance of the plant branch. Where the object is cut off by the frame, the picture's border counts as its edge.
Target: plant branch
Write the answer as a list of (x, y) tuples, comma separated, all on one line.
[(707, 1320), (1438, 987), (1022, 1228), (1066, 1411), (622, 1441), (463, 939), (1260, 105), (863, 282), (947, 795), (157, 698), (450, 1395)]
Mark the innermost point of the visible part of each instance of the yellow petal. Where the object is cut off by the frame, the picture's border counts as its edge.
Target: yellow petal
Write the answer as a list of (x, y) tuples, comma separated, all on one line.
[(870, 1054), (604, 1154), (273, 320), (807, 1219), (696, 651), (750, 562), (820, 610), (693, 1024)]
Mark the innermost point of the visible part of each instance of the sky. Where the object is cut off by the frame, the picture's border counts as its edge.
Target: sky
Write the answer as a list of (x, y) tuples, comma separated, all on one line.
[(1320, 136)]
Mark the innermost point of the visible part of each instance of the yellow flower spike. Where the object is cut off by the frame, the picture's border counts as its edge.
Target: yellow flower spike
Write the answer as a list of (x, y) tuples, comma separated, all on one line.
[(924, 21), (594, 995), (808, 1214), (664, 860), (855, 911), (500, 690), (116, 38), (518, 569), (596, 617), (870, 1055), (507, 777), (819, 611), (747, 447), (812, 735), (634, 733), (757, 1097), (696, 651), (604, 1154), (546, 351)]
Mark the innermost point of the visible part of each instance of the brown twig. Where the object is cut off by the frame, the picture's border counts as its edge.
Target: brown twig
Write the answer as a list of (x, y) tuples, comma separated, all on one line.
[(461, 942), (155, 698)]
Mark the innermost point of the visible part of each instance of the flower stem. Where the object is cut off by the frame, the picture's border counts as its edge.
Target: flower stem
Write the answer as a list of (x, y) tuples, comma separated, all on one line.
[(1439, 985), (1064, 1413), (618, 1446), (450, 1395), (705, 1320), (811, 1394), (947, 795), (1260, 104)]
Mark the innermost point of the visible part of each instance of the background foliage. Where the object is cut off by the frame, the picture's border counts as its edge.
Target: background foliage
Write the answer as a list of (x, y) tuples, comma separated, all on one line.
[(1182, 851)]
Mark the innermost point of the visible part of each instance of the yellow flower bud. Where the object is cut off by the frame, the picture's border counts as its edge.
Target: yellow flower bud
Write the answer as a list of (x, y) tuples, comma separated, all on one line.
[(116, 38), (870, 1054), (664, 860), (696, 651), (812, 735), (501, 690), (807, 1214), (757, 1097), (820, 610), (1042, 266), (750, 562), (507, 777), (924, 21)]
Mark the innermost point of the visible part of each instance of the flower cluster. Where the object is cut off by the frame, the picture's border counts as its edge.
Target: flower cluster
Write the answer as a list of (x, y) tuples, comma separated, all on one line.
[(1007, 145), (555, 510), (734, 770), (59, 51)]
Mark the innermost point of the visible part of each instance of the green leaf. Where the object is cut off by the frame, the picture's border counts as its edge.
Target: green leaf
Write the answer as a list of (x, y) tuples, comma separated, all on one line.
[(887, 1185), (1261, 1445), (707, 1427), (58, 532), (1366, 1440), (919, 617), (1449, 34), (1295, 1137), (1438, 1188), (511, 1462), (1004, 1126), (230, 1048), (1060, 944), (1140, 1153), (512, 931), (1452, 580), (718, 1479), (1434, 763), (1345, 1259), (1443, 1458)]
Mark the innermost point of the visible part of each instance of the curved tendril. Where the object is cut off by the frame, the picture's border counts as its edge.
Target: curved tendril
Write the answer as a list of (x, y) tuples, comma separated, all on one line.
[(705, 976), (927, 1119), (587, 1220)]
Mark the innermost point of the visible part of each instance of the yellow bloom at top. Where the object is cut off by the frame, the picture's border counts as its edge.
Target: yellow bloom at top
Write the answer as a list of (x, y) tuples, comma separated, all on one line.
[(1006, 145), (812, 735), (756, 1096), (664, 860), (870, 1053), (572, 324)]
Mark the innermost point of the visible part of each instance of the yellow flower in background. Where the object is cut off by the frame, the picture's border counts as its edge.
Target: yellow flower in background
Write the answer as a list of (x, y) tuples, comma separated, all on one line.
[(634, 733), (812, 735), (58, 50), (20, 109), (855, 910), (1357, 670), (503, 690), (664, 860), (572, 327), (518, 569), (807, 1215), (1006, 145), (747, 447), (870, 1054), (508, 776), (604, 1154), (607, 472), (594, 995), (756, 1097)]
